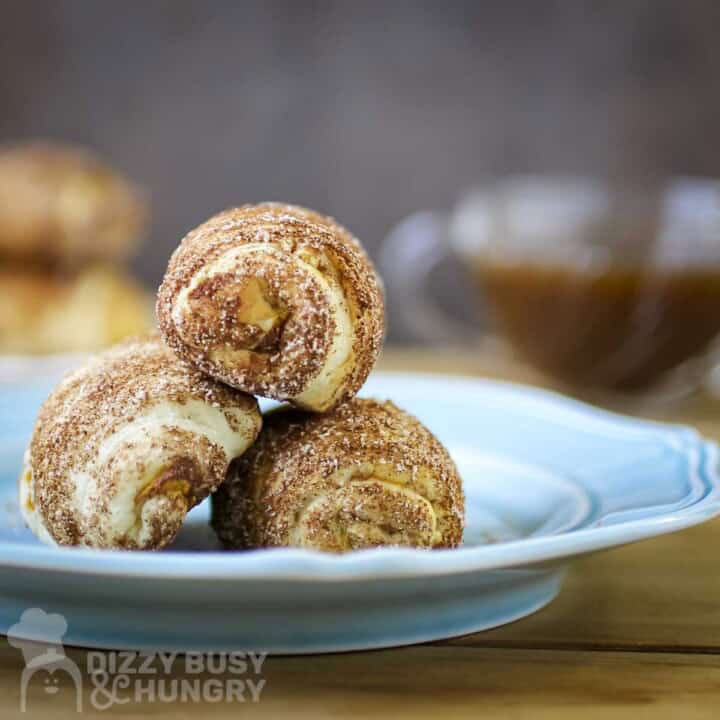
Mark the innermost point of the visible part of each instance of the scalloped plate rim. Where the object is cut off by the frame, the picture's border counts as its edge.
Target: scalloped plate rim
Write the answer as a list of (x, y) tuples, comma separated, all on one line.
[(388, 563)]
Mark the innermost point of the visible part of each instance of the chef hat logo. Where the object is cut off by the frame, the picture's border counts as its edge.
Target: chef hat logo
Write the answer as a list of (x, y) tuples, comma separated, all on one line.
[(38, 634)]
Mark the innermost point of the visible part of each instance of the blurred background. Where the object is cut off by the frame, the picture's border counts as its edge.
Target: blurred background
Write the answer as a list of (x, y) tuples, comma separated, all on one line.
[(367, 111)]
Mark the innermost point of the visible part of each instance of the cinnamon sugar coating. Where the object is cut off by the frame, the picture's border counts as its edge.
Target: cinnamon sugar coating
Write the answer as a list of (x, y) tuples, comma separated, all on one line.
[(275, 300), (365, 475), (127, 445), (60, 205)]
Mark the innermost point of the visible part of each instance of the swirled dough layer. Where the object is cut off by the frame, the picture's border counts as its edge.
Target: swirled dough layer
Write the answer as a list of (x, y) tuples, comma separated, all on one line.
[(277, 301), (365, 475), (127, 445)]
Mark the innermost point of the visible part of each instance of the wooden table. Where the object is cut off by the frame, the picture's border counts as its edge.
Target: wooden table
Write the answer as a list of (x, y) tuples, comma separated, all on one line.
[(635, 633)]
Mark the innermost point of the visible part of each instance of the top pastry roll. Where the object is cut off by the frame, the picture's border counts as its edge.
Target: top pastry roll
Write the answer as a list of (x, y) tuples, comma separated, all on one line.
[(275, 300)]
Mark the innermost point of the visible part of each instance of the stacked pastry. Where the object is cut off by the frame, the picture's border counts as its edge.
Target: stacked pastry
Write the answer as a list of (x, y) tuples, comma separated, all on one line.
[(271, 300), (127, 445), (67, 223)]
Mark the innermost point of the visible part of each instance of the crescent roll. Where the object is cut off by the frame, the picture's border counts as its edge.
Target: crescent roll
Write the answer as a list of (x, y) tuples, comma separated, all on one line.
[(275, 300), (365, 475), (127, 445), (79, 311), (61, 205)]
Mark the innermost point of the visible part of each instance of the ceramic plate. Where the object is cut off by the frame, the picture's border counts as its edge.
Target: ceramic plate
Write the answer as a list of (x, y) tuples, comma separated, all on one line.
[(546, 479)]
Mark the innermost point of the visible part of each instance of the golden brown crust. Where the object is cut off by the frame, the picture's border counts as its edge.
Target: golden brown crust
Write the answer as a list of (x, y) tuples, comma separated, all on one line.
[(127, 444), (275, 300), (61, 205), (365, 475), (46, 311)]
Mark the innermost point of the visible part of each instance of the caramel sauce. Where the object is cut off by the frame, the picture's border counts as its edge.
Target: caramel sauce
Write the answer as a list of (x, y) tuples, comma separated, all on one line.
[(619, 328)]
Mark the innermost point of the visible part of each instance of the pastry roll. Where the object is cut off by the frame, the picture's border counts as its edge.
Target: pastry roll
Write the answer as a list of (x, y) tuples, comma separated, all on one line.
[(79, 311), (61, 205), (275, 300), (127, 445), (365, 475)]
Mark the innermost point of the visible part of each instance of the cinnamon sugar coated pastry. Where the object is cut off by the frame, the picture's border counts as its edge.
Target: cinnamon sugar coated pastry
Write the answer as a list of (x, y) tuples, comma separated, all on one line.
[(275, 300), (61, 205), (127, 445), (365, 475)]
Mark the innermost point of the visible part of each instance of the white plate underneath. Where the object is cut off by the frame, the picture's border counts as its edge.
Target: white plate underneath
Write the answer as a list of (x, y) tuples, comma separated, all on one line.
[(546, 479)]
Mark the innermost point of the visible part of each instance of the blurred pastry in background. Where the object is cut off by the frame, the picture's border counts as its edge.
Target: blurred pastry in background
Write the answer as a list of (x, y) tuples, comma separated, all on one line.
[(45, 312), (68, 222), (60, 204)]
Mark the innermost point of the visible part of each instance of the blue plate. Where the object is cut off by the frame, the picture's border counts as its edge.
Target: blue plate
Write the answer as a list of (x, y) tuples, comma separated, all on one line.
[(546, 479)]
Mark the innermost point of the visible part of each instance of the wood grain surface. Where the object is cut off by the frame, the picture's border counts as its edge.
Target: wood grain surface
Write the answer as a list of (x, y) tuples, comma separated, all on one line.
[(444, 682), (635, 633)]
